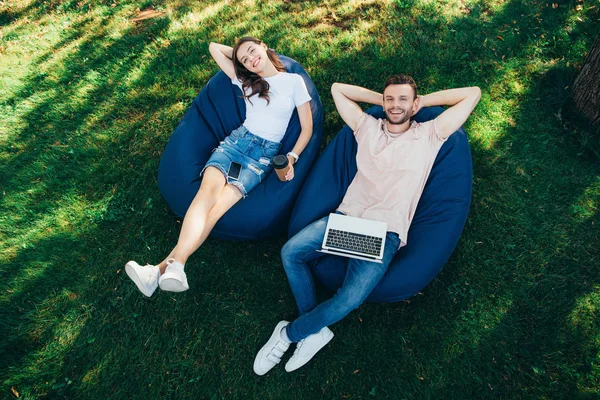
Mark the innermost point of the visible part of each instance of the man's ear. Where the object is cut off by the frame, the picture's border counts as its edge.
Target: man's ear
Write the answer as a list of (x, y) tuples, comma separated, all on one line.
[(415, 106)]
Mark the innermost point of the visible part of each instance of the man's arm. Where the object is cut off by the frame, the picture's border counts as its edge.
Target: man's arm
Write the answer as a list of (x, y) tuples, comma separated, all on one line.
[(346, 98), (462, 102)]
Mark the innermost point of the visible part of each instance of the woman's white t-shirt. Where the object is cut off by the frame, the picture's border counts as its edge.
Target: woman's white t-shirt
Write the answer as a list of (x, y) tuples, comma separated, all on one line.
[(269, 121)]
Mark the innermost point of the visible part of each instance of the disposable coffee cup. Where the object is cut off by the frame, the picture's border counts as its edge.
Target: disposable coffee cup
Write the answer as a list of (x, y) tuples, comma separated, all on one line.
[(281, 165)]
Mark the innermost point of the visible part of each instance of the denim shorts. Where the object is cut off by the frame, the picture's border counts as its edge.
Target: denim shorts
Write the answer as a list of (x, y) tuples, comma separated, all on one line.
[(252, 152)]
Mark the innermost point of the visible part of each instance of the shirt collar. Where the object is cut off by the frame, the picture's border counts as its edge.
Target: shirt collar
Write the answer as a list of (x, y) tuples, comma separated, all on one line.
[(409, 134)]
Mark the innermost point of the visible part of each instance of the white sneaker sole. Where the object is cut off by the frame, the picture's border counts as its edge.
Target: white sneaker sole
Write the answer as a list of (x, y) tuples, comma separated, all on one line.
[(130, 270), (171, 284), (291, 368)]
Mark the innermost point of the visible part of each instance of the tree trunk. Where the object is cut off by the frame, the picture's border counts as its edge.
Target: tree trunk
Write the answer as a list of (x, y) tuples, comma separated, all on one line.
[(586, 89)]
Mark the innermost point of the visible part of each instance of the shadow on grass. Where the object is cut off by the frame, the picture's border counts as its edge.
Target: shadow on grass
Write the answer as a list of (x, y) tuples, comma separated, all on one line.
[(95, 338)]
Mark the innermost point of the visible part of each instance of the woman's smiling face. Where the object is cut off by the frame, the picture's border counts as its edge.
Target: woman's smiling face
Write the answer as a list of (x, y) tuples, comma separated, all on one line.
[(253, 56)]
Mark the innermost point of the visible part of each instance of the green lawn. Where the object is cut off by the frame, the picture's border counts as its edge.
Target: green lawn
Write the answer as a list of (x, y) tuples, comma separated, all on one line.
[(88, 100)]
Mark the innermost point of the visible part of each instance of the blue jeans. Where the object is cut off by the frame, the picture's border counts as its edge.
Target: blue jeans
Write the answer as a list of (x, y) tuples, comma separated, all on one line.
[(361, 279)]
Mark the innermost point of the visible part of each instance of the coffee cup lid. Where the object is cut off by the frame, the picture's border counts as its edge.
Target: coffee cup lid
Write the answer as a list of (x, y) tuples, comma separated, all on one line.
[(280, 161)]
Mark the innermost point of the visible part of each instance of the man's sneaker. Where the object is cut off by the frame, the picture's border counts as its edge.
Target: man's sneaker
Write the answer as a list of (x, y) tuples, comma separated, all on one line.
[(144, 277), (174, 279), (270, 354), (307, 348)]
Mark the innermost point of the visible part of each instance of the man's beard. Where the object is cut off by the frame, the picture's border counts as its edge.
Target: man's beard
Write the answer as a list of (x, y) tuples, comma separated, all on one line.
[(406, 118)]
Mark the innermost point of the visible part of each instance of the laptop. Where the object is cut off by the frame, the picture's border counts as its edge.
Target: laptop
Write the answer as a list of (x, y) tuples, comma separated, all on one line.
[(354, 237)]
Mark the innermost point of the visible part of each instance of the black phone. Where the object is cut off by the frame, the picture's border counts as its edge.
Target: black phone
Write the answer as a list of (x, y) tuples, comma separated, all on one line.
[(234, 170)]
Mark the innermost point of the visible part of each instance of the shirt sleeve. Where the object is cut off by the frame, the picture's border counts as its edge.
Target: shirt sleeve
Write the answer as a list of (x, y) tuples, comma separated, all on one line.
[(365, 124), (432, 133), (236, 82), (301, 95)]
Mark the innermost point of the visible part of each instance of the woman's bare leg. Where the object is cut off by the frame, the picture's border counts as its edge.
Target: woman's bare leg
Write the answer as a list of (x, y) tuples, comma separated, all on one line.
[(229, 196), (196, 216)]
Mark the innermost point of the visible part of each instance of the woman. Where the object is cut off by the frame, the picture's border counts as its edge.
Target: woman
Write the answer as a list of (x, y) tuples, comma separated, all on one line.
[(242, 160)]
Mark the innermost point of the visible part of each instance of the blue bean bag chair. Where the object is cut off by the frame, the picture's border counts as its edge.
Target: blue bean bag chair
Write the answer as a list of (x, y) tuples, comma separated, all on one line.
[(439, 219), (214, 113)]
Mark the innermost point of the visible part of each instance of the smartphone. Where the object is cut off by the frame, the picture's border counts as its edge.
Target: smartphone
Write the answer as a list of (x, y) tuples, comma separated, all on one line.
[(234, 170)]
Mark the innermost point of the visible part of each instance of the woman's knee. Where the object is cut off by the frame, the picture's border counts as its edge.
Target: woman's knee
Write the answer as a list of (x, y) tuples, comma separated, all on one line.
[(212, 178), (212, 184)]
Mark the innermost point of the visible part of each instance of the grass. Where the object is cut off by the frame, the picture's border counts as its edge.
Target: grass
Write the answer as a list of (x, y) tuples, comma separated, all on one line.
[(88, 100)]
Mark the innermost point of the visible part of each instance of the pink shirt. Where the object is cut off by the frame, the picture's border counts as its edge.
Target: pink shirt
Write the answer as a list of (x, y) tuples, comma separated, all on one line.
[(392, 172)]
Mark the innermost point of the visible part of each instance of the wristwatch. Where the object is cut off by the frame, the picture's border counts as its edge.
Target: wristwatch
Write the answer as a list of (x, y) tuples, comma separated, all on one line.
[(294, 155)]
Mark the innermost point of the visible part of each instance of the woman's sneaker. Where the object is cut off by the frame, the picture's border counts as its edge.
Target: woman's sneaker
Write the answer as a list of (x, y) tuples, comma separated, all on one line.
[(145, 277), (307, 348), (174, 278), (270, 354)]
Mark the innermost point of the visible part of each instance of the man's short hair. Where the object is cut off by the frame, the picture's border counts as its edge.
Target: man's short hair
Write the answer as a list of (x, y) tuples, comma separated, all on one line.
[(401, 79)]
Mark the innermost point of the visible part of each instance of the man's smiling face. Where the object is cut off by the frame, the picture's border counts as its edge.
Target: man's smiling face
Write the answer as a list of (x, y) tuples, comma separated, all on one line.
[(398, 103)]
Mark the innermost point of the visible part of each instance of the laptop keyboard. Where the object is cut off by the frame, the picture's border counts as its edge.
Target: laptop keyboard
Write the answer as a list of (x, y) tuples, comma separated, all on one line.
[(354, 242)]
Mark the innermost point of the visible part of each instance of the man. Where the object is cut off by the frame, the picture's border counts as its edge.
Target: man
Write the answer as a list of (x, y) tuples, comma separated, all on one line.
[(394, 159)]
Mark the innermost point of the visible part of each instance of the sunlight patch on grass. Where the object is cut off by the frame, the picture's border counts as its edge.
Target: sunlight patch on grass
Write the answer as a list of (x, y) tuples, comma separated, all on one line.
[(585, 323), (93, 124), (78, 96), (59, 333), (50, 70), (18, 113), (32, 272), (72, 215), (489, 128), (477, 321), (587, 204), (516, 87), (450, 9), (11, 123), (499, 105), (586, 314), (194, 18), (45, 42), (92, 377)]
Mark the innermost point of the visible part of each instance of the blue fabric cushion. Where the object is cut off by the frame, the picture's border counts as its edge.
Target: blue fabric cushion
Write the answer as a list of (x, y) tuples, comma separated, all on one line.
[(434, 232), (214, 113)]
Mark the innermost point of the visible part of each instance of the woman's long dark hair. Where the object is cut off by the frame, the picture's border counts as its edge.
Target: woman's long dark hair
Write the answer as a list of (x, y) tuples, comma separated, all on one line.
[(250, 79)]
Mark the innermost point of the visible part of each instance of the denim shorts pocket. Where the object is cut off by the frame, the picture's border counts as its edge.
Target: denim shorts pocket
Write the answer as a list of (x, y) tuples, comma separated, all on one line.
[(270, 150)]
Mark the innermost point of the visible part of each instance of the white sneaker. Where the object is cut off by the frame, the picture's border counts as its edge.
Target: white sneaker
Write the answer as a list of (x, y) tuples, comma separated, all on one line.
[(145, 278), (174, 278), (270, 354), (307, 348)]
